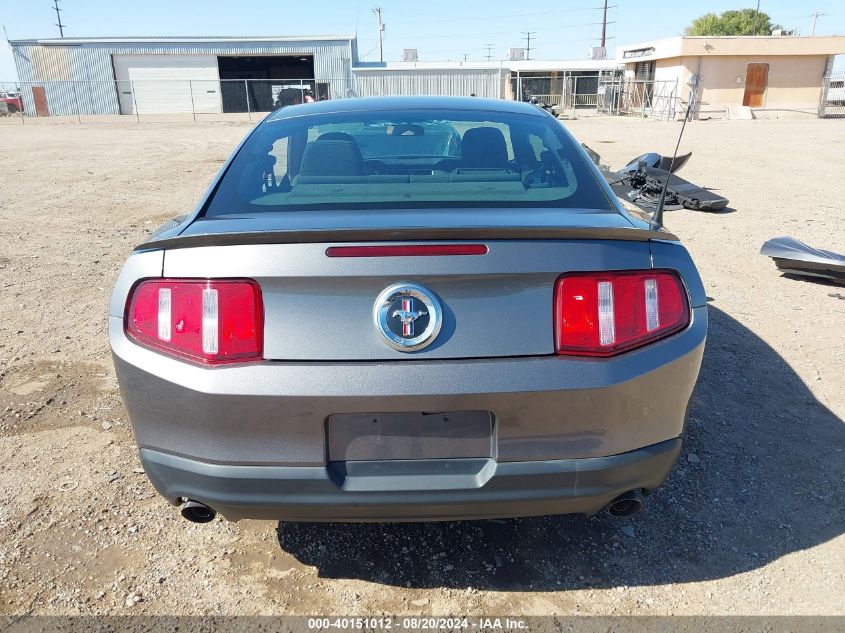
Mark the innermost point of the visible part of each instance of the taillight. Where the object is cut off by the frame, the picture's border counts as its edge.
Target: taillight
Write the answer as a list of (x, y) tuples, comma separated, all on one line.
[(206, 320), (602, 314)]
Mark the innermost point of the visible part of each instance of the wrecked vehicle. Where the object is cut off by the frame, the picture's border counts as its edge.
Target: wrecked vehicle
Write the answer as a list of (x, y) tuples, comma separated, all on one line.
[(641, 180), (794, 257)]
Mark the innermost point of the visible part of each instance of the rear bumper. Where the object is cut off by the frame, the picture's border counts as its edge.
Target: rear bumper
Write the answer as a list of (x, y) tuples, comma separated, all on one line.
[(410, 491), (544, 408)]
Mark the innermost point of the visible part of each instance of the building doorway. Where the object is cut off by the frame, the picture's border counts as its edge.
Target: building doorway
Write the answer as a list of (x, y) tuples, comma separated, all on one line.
[(267, 75), (756, 80), (39, 97)]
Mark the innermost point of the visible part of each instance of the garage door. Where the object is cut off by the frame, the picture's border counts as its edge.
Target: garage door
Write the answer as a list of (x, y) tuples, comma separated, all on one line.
[(167, 83)]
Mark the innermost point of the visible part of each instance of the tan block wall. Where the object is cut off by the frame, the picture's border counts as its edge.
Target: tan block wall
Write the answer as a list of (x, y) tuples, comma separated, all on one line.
[(794, 80)]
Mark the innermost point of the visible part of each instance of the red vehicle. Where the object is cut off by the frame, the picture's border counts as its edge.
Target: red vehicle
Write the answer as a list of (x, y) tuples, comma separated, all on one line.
[(13, 101)]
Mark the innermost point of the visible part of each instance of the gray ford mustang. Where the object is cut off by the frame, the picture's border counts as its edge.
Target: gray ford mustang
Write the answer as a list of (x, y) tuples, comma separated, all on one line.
[(462, 326)]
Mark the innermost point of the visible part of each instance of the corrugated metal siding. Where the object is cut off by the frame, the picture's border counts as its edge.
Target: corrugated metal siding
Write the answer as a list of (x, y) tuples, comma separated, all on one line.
[(483, 82), (89, 65)]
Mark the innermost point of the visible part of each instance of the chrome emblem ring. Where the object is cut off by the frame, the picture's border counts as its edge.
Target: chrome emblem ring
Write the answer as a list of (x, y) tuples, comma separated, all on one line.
[(408, 316)]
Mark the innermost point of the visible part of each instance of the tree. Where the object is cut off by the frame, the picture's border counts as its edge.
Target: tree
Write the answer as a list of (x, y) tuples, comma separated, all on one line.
[(737, 22)]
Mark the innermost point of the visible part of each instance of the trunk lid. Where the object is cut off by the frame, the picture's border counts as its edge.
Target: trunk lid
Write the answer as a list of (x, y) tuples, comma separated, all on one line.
[(321, 308)]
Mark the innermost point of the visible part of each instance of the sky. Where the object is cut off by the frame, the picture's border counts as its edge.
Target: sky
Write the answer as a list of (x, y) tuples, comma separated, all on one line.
[(439, 29)]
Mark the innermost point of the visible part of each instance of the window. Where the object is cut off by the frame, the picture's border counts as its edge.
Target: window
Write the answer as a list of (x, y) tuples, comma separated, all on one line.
[(407, 159), (644, 71)]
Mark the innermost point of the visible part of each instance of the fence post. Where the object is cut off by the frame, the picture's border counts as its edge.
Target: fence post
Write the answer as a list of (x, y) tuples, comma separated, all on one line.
[(822, 110), (248, 109), (674, 105), (620, 94), (598, 82), (642, 101), (76, 103), (90, 94), (193, 108), (134, 101)]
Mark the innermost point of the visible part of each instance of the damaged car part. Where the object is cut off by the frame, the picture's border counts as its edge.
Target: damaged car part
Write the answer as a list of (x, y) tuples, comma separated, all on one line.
[(794, 257), (643, 178)]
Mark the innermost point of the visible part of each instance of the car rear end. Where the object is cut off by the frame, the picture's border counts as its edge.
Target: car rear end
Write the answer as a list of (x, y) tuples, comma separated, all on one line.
[(435, 359)]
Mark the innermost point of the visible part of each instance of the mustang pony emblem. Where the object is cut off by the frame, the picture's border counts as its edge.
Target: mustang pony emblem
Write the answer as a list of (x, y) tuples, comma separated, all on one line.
[(407, 315)]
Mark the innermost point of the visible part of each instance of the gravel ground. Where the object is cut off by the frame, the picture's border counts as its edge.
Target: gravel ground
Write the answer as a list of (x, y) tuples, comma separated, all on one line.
[(751, 520)]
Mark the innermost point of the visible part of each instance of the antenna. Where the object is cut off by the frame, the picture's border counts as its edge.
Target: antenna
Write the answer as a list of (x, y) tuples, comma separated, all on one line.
[(377, 11), (657, 218), (489, 51), (59, 18), (528, 35)]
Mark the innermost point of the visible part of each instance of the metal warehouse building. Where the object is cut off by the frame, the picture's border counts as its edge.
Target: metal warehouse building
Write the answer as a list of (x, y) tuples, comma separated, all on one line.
[(210, 75), (178, 74), (432, 78)]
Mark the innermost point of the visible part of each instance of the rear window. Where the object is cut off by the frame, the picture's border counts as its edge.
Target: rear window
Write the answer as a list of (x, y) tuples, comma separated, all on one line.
[(407, 159)]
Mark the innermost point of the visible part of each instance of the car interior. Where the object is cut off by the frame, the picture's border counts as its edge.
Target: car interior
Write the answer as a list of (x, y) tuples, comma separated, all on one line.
[(308, 166)]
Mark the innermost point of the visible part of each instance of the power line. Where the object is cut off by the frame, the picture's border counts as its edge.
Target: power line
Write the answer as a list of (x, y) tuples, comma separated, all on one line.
[(458, 50), (59, 18), (528, 35), (494, 17), (557, 29)]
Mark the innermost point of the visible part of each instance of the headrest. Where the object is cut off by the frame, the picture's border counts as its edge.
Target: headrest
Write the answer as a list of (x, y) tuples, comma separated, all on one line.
[(484, 147), (332, 154)]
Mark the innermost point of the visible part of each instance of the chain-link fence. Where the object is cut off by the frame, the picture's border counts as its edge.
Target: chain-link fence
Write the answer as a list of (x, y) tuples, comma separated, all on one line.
[(832, 99), (608, 93), (638, 97), (161, 100), (604, 93), (563, 91)]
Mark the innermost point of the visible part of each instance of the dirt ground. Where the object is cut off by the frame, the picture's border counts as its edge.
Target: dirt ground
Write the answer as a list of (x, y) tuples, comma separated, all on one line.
[(751, 520)]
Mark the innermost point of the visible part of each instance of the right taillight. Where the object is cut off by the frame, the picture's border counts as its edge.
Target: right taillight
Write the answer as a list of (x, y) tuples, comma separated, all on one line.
[(602, 314)]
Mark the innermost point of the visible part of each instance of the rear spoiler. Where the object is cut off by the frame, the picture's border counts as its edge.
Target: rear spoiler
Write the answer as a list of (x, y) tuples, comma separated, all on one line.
[(368, 234)]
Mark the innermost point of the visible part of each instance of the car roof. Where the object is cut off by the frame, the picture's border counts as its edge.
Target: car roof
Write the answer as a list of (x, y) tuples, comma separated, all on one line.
[(361, 104)]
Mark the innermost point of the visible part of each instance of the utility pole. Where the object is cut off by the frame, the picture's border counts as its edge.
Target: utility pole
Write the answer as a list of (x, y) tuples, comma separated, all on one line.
[(815, 17), (528, 35), (604, 26), (59, 18), (756, 15), (377, 11), (489, 51)]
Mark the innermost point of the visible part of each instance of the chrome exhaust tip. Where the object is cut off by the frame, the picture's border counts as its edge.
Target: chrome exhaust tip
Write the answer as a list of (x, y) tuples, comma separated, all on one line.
[(197, 512), (626, 504)]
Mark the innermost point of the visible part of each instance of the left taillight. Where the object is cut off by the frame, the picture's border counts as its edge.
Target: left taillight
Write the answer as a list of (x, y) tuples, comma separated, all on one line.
[(205, 320), (603, 314)]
